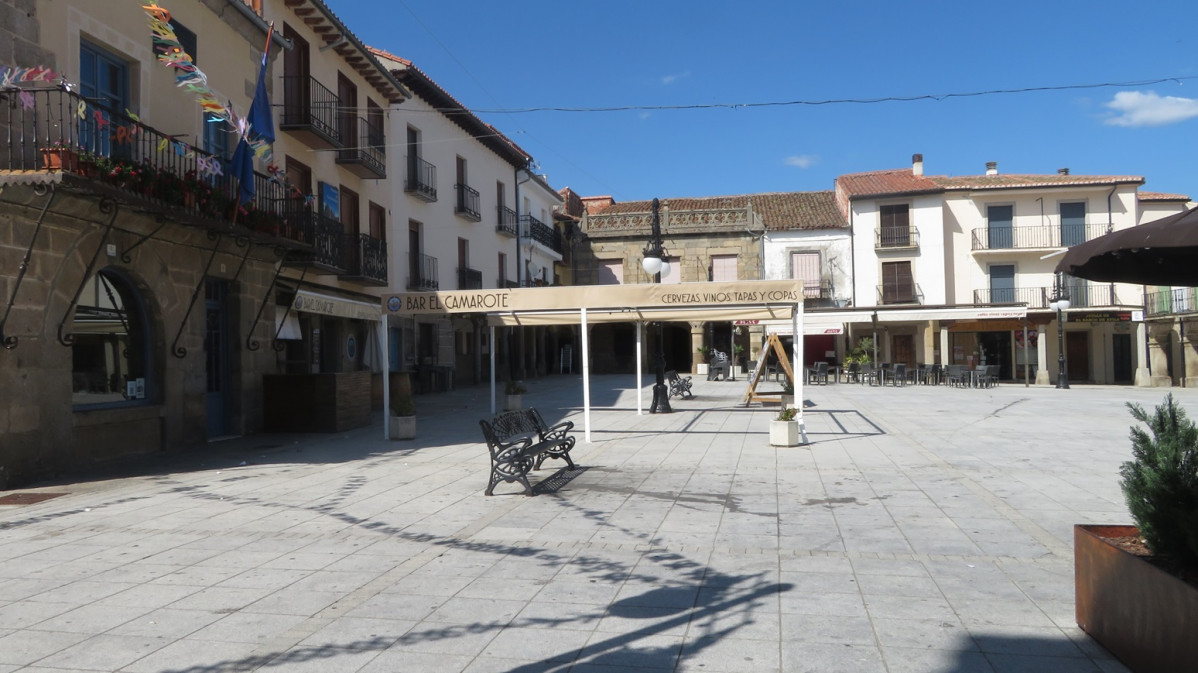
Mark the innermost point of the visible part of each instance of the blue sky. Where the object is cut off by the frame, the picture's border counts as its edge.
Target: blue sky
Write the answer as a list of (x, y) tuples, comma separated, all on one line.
[(496, 57)]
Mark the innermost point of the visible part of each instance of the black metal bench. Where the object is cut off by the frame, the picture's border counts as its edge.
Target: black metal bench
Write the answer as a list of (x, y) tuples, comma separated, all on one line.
[(679, 385), (519, 441)]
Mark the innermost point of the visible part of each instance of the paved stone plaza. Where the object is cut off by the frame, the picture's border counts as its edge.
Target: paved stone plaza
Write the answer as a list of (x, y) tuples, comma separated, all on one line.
[(923, 529)]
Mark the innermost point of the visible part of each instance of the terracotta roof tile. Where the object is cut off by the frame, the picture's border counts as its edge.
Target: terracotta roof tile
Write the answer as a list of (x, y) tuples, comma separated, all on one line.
[(780, 211), (1014, 181), (884, 183), (1161, 196)]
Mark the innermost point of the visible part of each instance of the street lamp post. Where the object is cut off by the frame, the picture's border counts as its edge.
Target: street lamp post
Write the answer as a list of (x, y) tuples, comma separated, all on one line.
[(1059, 302), (655, 265)]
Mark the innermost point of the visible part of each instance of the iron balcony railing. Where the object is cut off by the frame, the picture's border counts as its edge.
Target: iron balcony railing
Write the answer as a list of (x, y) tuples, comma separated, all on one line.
[(886, 238), (423, 272), (467, 203), (889, 293), (365, 258), (110, 153), (1035, 237), (1081, 295), (1174, 301), (324, 235), (503, 282), (469, 279), (421, 180), (309, 106), (508, 223), (540, 232), (367, 150), (817, 294)]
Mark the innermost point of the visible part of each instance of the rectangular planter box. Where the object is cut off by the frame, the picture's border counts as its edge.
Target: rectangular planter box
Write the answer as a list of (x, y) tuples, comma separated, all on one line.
[(1140, 613)]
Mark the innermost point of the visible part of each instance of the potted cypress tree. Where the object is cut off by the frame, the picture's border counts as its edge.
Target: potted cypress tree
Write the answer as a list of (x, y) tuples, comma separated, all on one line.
[(1137, 586), (513, 395), (402, 419)]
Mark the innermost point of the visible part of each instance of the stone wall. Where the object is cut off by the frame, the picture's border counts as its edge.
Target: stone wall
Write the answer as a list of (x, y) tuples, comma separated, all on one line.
[(43, 433)]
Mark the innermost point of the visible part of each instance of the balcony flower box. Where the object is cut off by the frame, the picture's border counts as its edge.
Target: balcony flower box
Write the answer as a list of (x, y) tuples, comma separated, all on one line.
[(60, 158)]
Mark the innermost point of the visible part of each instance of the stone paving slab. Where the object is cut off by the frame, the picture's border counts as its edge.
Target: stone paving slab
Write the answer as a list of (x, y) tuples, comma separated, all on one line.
[(922, 529)]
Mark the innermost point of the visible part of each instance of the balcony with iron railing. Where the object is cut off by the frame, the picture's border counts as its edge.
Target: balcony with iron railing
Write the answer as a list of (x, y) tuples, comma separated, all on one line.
[(1176, 301), (469, 279), (503, 282), (422, 274), (365, 259), (508, 223), (110, 154), (896, 238), (1081, 295), (896, 293), (421, 180), (467, 203), (366, 156), (817, 294), (531, 227), (310, 111), (1038, 237)]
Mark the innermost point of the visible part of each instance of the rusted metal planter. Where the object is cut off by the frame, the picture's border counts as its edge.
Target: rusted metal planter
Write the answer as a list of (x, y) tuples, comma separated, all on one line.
[(1140, 613)]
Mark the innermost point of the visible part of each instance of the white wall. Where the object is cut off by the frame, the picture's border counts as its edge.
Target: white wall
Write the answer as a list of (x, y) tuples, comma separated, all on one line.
[(834, 246)]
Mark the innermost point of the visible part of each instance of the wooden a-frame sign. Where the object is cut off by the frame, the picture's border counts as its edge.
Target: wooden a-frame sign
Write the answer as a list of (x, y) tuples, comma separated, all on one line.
[(751, 395)]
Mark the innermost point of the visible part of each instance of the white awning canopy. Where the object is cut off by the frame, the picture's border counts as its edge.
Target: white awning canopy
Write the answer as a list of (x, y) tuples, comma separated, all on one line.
[(824, 322), (340, 307)]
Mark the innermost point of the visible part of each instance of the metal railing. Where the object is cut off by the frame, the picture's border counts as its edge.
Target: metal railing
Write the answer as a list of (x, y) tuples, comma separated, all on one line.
[(508, 223), (368, 150), (110, 152), (324, 235), (469, 279), (365, 258), (540, 232), (467, 202), (423, 274), (1175, 301), (1083, 294), (899, 294), (421, 179), (886, 238), (309, 105), (1034, 297), (1039, 236)]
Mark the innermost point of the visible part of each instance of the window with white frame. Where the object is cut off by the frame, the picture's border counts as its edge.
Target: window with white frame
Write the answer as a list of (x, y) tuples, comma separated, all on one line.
[(804, 266)]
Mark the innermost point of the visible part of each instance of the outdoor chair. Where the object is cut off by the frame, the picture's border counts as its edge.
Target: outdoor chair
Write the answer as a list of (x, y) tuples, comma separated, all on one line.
[(898, 376), (935, 375), (957, 375), (868, 374), (818, 373), (853, 373), (991, 376)]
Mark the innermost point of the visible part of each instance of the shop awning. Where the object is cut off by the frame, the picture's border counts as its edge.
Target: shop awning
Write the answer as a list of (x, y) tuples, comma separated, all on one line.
[(833, 322), (332, 305)]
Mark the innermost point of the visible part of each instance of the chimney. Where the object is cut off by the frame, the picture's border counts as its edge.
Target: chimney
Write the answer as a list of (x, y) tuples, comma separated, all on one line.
[(991, 168), (916, 164), (1062, 171)]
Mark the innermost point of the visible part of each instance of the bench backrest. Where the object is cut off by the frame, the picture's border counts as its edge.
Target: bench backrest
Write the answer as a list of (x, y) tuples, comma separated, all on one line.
[(508, 424)]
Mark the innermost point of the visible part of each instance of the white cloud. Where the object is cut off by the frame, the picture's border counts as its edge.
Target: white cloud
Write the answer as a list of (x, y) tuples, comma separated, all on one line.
[(670, 79), (1137, 108), (802, 160), (644, 114)]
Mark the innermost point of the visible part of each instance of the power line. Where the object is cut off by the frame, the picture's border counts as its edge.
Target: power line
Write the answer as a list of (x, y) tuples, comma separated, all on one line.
[(837, 101)]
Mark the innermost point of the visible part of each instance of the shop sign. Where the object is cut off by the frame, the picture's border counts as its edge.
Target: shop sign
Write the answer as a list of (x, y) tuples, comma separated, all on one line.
[(1101, 316)]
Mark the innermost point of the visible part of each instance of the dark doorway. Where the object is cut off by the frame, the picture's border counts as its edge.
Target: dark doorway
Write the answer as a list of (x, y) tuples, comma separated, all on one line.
[(1077, 356), (902, 349), (995, 349), (1121, 354)]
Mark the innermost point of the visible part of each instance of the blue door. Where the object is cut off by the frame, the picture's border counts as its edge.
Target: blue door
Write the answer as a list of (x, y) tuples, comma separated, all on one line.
[(1002, 283), (104, 81), (216, 352), (999, 227)]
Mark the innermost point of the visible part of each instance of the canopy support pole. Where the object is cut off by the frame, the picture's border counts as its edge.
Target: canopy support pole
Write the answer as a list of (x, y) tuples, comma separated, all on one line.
[(800, 375), (386, 348), (640, 403), (586, 379), (491, 346)]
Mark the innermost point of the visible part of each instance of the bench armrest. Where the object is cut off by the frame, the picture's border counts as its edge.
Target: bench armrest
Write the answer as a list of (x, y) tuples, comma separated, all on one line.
[(558, 431)]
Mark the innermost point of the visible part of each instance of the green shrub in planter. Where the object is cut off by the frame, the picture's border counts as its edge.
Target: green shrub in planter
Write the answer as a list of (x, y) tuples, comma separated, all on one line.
[(1161, 483), (514, 387), (787, 414)]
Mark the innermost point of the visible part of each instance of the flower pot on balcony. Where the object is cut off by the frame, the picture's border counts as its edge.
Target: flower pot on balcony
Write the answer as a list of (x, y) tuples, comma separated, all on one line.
[(59, 159), (1139, 611)]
